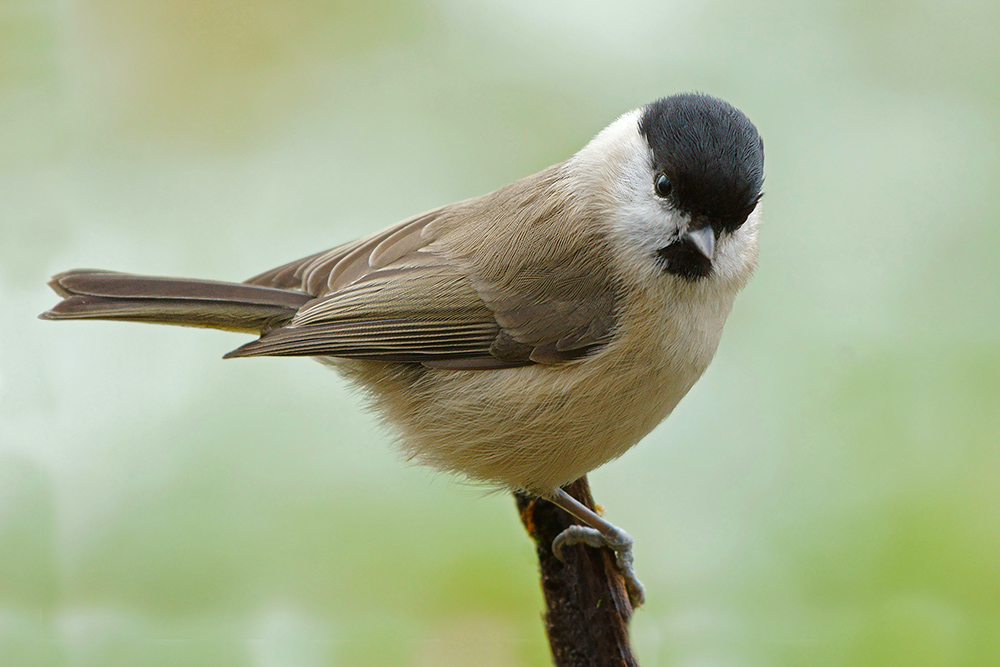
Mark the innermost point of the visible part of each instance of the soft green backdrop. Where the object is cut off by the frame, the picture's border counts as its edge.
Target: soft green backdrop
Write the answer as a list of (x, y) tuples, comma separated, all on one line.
[(829, 493)]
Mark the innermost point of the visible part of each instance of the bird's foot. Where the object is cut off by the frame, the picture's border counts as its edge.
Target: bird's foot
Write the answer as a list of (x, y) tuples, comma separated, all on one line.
[(615, 539)]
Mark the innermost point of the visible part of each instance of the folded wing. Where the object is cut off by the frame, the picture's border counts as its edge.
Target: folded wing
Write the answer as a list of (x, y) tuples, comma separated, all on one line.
[(431, 290)]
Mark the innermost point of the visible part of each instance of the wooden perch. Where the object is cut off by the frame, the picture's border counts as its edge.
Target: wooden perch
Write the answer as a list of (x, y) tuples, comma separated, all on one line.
[(587, 606)]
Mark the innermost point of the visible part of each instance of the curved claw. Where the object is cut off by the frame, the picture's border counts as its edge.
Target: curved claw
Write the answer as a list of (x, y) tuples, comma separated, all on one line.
[(618, 541), (577, 535)]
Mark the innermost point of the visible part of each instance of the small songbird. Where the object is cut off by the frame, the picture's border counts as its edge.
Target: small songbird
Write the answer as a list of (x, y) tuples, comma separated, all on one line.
[(524, 337)]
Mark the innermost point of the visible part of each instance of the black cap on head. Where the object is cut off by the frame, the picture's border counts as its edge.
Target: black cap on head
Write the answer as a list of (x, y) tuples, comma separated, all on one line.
[(711, 153)]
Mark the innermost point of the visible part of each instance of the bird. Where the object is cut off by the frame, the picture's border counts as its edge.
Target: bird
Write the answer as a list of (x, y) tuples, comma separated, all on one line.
[(524, 337)]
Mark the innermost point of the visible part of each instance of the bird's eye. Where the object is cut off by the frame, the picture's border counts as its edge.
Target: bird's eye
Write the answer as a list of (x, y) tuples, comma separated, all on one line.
[(663, 186)]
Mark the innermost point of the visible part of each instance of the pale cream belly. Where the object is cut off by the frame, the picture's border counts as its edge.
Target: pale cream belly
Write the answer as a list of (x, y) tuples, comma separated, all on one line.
[(535, 427)]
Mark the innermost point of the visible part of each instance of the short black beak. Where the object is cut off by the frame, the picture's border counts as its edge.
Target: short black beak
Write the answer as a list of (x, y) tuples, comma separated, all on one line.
[(702, 239)]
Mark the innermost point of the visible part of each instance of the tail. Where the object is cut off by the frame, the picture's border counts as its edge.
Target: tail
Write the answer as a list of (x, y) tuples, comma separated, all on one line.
[(106, 295)]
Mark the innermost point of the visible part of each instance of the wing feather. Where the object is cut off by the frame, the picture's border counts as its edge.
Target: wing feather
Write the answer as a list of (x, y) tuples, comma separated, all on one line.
[(490, 282), (326, 271)]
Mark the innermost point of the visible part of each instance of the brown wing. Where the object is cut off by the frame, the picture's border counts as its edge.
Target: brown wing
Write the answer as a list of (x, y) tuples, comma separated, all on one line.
[(418, 312), (538, 258), (326, 271), (486, 283)]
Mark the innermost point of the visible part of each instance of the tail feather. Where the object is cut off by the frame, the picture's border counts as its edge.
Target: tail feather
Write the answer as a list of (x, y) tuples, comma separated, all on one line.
[(106, 295)]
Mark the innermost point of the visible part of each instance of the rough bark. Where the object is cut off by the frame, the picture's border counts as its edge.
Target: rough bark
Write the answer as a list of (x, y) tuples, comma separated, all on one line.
[(587, 607)]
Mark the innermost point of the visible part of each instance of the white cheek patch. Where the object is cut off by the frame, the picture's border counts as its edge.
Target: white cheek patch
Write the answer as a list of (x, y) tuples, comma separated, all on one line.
[(646, 226), (617, 163), (641, 222)]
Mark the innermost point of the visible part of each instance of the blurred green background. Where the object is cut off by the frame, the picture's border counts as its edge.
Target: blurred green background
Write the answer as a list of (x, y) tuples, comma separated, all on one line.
[(828, 494)]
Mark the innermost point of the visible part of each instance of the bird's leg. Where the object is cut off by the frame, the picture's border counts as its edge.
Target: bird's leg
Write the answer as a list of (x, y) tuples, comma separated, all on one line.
[(598, 533)]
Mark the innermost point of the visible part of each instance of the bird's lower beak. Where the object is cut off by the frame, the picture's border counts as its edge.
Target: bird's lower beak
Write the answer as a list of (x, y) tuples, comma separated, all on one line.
[(703, 239)]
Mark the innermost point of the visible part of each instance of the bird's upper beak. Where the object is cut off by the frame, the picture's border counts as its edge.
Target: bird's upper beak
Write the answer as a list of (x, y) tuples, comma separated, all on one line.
[(703, 239), (691, 253)]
